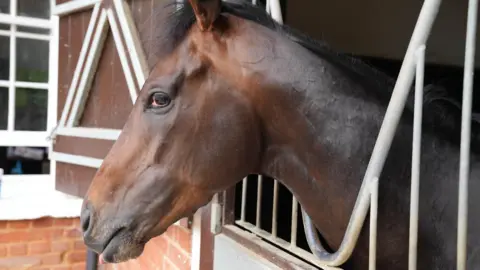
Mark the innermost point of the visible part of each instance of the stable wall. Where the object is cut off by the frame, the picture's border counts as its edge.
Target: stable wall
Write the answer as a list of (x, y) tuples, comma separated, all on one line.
[(380, 28)]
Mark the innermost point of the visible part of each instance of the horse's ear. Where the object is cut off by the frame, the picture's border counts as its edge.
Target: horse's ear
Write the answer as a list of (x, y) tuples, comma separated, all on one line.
[(206, 12)]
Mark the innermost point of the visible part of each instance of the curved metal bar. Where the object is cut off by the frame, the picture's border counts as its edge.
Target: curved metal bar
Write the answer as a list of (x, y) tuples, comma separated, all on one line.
[(313, 242), (351, 235), (400, 93)]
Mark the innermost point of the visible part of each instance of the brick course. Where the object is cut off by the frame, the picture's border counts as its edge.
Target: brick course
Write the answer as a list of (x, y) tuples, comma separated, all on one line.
[(42, 244)]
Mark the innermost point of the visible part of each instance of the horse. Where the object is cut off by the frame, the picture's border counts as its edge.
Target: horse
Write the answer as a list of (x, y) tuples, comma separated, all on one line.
[(234, 93)]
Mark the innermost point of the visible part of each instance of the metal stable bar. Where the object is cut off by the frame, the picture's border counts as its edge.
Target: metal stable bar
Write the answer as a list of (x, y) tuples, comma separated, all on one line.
[(244, 199), (293, 232), (464, 170), (275, 208), (276, 10), (394, 111), (277, 16), (416, 154), (372, 250), (92, 260), (259, 201)]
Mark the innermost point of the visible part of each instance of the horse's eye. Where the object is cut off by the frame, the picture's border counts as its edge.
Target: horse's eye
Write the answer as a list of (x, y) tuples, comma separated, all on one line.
[(159, 100)]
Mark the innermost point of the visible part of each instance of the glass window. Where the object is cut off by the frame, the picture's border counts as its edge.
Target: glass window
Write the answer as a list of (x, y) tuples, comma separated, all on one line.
[(4, 26), (4, 58), (5, 6), (24, 160), (31, 109), (32, 60), (34, 8), (3, 108)]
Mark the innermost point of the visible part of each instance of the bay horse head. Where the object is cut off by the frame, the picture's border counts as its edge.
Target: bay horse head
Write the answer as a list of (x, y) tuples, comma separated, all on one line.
[(193, 131)]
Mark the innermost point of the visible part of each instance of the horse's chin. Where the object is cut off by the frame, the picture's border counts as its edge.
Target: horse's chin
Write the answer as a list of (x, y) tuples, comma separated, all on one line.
[(122, 248), (123, 253)]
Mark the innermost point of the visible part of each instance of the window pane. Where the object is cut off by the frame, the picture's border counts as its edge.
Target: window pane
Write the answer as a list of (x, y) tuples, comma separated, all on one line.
[(31, 109), (32, 60), (34, 8), (4, 58), (3, 108), (4, 26), (33, 30), (24, 160), (5, 6)]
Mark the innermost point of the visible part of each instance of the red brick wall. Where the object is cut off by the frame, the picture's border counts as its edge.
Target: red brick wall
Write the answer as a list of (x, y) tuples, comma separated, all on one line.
[(171, 251), (41, 244)]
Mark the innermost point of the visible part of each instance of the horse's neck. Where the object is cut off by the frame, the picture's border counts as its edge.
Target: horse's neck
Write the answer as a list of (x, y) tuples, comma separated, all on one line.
[(319, 131), (318, 144)]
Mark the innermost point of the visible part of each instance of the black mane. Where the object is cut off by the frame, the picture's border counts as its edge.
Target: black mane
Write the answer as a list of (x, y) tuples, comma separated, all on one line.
[(442, 114)]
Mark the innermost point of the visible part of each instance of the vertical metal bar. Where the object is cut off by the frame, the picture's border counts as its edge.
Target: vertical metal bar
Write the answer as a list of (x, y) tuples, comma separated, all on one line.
[(293, 232), (254, 2), (268, 6), (275, 208), (416, 154), (276, 10), (464, 171), (92, 260), (13, 69), (372, 250), (259, 201), (244, 199)]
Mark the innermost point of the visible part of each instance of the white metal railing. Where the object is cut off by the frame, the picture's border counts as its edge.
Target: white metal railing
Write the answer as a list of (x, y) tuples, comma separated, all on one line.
[(413, 66), (416, 153), (465, 134)]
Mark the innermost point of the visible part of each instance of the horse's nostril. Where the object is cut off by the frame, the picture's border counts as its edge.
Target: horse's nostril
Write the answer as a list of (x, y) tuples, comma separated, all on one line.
[(86, 223), (85, 218)]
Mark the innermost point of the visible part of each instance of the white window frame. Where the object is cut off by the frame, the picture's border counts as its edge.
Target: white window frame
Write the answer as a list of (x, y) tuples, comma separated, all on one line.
[(11, 137), (32, 196)]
